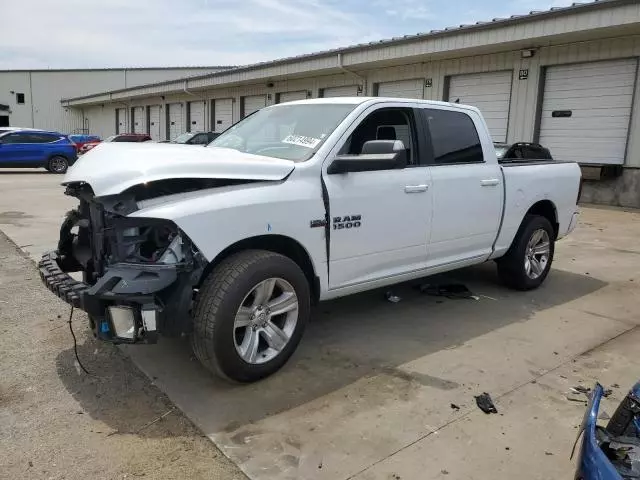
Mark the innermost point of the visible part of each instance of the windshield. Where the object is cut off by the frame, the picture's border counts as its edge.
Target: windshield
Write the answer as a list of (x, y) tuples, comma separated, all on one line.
[(184, 138), (290, 132)]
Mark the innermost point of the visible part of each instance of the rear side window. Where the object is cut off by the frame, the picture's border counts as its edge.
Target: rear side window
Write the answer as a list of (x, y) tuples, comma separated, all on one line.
[(42, 138), (454, 137)]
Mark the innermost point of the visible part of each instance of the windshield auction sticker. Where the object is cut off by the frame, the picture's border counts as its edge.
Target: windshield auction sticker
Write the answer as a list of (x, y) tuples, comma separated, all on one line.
[(302, 141)]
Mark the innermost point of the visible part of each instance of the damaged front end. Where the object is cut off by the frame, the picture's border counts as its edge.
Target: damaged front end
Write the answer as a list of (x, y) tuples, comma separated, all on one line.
[(138, 274)]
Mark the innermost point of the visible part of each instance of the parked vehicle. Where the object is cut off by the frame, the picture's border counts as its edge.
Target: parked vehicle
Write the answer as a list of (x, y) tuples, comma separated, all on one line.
[(299, 202), (36, 149), (611, 452), (88, 146), (520, 151), (82, 140), (196, 138), (129, 138)]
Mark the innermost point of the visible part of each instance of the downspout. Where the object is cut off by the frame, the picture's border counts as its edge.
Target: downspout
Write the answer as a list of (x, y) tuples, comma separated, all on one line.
[(359, 77)]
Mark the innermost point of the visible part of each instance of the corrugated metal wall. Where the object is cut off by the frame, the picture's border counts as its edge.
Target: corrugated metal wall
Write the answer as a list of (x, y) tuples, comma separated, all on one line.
[(524, 97), (47, 88)]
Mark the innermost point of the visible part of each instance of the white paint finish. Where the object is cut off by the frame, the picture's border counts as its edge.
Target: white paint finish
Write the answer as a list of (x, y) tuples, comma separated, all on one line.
[(222, 114), (176, 120), (139, 120), (343, 91), (122, 120), (491, 93), (113, 167), (600, 97), (197, 116), (154, 122), (291, 96), (402, 89), (253, 103)]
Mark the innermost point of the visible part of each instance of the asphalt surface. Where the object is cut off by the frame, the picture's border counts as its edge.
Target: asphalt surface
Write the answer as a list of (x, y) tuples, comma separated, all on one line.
[(368, 394)]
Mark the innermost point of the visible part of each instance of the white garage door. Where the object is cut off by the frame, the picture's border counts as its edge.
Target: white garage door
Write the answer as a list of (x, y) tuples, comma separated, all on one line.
[(586, 110), (154, 122), (291, 96), (252, 103), (222, 114), (121, 120), (346, 91), (196, 116), (139, 120), (176, 120), (402, 89), (491, 93)]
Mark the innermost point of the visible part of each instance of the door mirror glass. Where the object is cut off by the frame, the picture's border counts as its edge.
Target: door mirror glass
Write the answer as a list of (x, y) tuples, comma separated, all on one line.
[(376, 155)]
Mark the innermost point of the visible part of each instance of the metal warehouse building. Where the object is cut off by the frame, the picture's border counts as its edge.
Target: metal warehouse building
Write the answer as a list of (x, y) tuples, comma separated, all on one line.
[(31, 98), (567, 78)]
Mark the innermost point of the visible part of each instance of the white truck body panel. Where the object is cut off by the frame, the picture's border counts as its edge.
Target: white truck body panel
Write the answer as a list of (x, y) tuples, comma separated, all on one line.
[(415, 221)]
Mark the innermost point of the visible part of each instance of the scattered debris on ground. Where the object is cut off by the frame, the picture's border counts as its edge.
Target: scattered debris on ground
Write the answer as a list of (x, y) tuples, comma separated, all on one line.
[(450, 290), (455, 407), (485, 403), (391, 297)]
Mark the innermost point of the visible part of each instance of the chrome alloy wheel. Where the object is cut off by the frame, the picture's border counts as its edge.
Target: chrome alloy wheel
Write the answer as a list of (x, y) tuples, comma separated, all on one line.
[(265, 321), (58, 164), (537, 253)]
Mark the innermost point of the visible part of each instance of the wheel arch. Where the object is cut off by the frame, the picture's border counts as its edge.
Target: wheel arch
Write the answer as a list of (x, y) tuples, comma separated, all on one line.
[(548, 210), (281, 244)]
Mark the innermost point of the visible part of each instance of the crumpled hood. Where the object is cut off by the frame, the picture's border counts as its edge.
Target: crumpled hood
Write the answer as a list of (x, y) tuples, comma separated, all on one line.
[(111, 168)]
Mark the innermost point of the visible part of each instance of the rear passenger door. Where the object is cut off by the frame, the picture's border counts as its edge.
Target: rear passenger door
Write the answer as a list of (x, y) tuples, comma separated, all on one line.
[(18, 149), (467, 188)]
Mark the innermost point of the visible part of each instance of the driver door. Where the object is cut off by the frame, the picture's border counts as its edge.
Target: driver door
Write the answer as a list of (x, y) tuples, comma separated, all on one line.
[(379, 219)]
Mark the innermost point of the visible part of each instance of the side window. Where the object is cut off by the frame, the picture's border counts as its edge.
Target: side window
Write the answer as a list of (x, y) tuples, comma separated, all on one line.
[(454, 137), (534, 152), (384, 124), (15, 138), (200, 139), (41, 138)]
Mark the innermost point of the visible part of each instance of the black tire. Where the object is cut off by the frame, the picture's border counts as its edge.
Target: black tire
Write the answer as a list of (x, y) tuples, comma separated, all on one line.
[(218, 300), (511, 267), (58, 164)]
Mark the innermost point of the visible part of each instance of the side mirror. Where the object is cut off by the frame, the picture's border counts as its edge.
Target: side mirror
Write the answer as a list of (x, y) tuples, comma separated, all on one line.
[(376, 155)]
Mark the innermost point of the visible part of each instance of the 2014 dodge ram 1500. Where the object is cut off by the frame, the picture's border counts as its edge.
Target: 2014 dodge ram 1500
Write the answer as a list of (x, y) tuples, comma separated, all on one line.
[(299, 202)]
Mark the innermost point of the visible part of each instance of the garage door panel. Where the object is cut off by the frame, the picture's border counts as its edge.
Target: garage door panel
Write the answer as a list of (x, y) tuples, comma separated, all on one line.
[(176, 120), (139, 120), (196, 116), (488, 91), (253, 103), (599, 96), (222, 114), (154, 122), (121, 120), (343, 91), (611, 91), (402, 89), (292, 96)]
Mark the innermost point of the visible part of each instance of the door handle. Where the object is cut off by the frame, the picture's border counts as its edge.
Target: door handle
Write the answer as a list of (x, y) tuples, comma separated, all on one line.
[(491, 182), (415, 188)]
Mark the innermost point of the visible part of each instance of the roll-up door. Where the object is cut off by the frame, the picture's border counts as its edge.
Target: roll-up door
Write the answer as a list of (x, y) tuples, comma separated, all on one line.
[(154, 122), (139, 120), (586, 110), (291, 96), (491, 93), (345, 91), (402, 89), (121, 120), (176, 120), (252, 103), (196, 116), (222, 109)]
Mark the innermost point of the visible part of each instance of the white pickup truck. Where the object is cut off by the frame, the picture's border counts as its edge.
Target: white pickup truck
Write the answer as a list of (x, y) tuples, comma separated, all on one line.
[(298, 203)]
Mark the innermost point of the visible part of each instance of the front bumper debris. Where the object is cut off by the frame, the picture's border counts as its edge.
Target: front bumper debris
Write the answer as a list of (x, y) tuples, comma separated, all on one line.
[(148, 296)]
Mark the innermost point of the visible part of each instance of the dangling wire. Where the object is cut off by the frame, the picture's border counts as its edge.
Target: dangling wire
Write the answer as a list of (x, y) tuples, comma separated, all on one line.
[(75, 343)]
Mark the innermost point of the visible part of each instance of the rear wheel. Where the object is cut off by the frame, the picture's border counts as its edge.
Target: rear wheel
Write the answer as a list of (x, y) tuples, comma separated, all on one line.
[(58, 164), (527, 263), (250, 314)]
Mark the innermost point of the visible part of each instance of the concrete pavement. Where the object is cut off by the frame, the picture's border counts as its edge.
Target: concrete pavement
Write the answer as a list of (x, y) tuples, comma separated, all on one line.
[(368, 394)]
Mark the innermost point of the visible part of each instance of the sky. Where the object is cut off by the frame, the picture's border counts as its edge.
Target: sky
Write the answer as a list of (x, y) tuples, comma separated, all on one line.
[(144, 33)]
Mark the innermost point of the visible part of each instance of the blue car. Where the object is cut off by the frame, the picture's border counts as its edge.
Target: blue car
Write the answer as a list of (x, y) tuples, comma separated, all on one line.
[(35, 149), (611, 452)]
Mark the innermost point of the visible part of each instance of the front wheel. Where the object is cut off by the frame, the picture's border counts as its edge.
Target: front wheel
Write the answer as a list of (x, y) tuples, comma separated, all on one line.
[(527, 263), (250, 314), (58, 164)]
